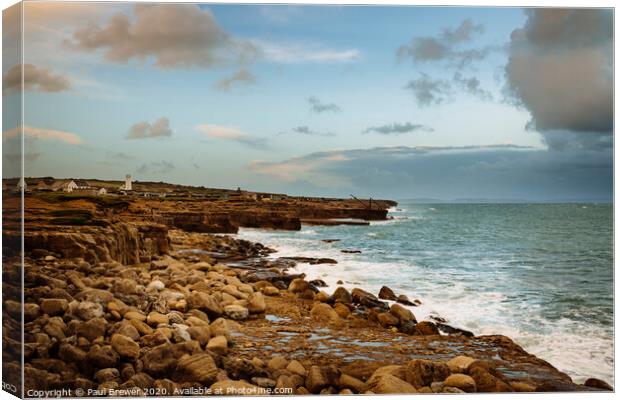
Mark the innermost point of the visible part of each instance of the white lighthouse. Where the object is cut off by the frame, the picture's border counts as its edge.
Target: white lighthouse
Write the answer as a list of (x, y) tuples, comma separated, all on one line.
[(128, 182)]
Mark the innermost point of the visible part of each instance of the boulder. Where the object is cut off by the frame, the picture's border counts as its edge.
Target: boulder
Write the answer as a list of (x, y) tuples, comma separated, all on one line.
[(321, 297), (460, 364), (70, 353), (162, 360), (277, 363), (205, 302), (218, 344), (102, 356), (319, 378), (53, 307), (296, 368), (422, 372), (386, 293), (325, 313), (403, 314), (236, 312), (349, 382), (387, 320), (461, 381), (598, 384), (402, 299), (197, 368), (342, 310), (426, 328), (487, 381), (256, 303), (125, 346), (389, 384), (342, 295), (368, 299), (134, 316), (222, 327), (298, 285), (107, 375), (86, 310), (92, 329), (201, 334)]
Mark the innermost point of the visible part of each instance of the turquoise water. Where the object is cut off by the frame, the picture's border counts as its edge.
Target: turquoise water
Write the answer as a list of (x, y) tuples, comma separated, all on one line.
[(541, 274)]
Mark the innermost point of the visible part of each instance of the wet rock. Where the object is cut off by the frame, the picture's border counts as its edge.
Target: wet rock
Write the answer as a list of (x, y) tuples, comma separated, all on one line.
[(125, 346), (54, 307), (349, 251), (296, 368), (426, 328), (319, 378), (460, 364), (422, 372), (387, 320), (402, 299), (318, 283), (522, 387), (368, 299), (486, 381), (102, 356), (256, 303), (325, 313), (342, 295), (598, 384), (386, 293), (342, 310), (236, 312), (461, 381), (218, 344), (403, 314), (389, 384), (321, 297), (450, 330), (298, 286), (197, 368)]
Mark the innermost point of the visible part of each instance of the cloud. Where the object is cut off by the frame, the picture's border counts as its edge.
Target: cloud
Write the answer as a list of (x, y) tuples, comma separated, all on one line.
[(472, 86), (318, 106), (44, 134), (428, 91), (445, 47), (146, 130), (35, 79), (173, 35), (398, 128), (157, 167), (305, 130), (501, 171), (240, 77), (304, 52), (118, 156), (232, 134), (560, 69)]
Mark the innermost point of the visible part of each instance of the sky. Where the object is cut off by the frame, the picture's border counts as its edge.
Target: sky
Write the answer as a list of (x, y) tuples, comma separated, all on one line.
[(389, 102)]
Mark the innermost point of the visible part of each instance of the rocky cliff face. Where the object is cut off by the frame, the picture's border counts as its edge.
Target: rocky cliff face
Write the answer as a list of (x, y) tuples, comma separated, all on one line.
[(122, 242)]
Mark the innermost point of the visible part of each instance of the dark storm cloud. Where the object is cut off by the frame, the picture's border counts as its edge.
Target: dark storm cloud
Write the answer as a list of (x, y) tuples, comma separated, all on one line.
[(398, 128), (318, 106), (560, 68), (449, 172)]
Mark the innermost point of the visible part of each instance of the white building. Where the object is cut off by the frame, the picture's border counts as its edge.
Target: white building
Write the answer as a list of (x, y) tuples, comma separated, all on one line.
[(127, 185), (66, 186), (21, 184)]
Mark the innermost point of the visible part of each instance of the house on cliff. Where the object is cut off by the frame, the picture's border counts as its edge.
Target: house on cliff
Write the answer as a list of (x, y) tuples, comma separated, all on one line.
[(67, 186)]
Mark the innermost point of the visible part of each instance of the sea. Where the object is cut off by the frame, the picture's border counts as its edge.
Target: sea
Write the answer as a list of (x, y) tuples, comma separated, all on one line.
[(541, 274)]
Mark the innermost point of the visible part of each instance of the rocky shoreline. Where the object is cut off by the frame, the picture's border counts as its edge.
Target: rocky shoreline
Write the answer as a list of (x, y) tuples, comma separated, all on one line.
[(213, 314), (130, 307)]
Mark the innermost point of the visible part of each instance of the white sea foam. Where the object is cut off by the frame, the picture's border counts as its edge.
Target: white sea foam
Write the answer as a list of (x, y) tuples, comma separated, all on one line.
[(578, 349)]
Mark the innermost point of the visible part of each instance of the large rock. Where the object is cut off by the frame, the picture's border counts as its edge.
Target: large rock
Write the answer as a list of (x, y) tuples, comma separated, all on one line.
[(426, 328), (162, 360), (218, 344), (237, 312), (325, 313), (296, 368), (197, 368), (403, 314), (298, 285), (598, 384), (102, 356), (125, 346), (319, 378), (368, 299), (256, 303), (387, 294), (389, 384), (422, 372), (486, 381), (349, 382), (460, 364), (86, 310), (342, 295), (461, 381), (53, 307), (92, 329), (205, 302), (387, 320)]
